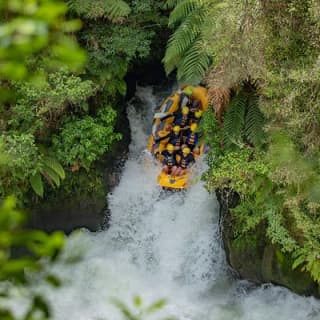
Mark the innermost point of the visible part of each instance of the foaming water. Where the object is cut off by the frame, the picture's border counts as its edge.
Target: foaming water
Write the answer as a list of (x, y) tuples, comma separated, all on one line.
[(162, 245)]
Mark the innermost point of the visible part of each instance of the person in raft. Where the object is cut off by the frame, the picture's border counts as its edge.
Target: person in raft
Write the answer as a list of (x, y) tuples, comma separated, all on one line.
[(194, 106), (196, 117), (183, 120), (192, 137), (171, 135), (169, 160), (176, 138), (186, 161)]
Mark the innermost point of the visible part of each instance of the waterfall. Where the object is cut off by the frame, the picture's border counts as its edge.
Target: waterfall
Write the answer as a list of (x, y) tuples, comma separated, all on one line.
[(162, 245)]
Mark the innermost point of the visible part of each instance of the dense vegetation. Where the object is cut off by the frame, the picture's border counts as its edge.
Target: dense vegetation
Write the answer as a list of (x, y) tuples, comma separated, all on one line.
[(59, 105), (260, 60), (61, 119)]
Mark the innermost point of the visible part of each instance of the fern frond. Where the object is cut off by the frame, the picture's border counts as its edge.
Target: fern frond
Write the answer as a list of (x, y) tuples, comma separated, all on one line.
[(194, 64), (117, 9), (219, 98), (182, 39), (254, 122), (234, 120), (55, 166), (171, 4), (51, 176), (182, 10), (37, 184), (111, 9)]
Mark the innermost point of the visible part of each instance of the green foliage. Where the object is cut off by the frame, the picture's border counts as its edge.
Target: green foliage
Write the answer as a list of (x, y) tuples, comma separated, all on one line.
[(274, 45), (25, 167), (111, 48), (236, 170), (37, 184), (277, 197), (234, 121), (141, 312), (33, 28), (308, 258), (59, 106), (23, 162), (244, 121), (83, 141), (185, 47), (36, 247), (212, 132), (40, 107), (254, 122), (111, 9)]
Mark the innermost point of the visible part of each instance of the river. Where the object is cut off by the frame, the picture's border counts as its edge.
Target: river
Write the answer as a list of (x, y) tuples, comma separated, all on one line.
[(162, 246)]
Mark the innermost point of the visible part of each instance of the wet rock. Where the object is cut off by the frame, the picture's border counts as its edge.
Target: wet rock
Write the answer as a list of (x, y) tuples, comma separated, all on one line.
[(254, 258)]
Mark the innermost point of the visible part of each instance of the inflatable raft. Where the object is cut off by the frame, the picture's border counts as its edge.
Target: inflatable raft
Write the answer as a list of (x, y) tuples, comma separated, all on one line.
[(162, 119)]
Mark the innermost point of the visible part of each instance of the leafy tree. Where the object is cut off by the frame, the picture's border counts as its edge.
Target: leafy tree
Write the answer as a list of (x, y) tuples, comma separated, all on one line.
[(185, 47), (113, 10), (275, 45), (36, 51), (244, 121), (35, 247), (83, 141), (36, 28)]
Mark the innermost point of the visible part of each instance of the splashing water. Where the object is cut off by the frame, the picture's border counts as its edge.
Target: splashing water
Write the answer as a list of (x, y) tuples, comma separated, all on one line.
[(162, 246)]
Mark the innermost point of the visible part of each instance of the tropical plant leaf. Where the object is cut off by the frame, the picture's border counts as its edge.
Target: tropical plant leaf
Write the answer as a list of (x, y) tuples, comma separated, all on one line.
[(182, 10), (37, 184), (254, 121), (234, 120), (171, 4), (124, 310), (55, 166), (194, 64), (156, 306), (183, 38), (51, 176), (111, 9)]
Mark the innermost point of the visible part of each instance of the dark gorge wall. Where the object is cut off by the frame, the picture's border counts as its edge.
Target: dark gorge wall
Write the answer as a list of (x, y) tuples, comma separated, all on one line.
[(254, 258)]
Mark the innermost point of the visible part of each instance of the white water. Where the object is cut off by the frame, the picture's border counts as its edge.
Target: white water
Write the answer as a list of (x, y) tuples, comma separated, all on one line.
[(163, 246)]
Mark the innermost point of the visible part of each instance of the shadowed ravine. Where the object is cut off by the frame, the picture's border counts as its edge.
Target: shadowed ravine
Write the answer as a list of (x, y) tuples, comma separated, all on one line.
[(163, 246)]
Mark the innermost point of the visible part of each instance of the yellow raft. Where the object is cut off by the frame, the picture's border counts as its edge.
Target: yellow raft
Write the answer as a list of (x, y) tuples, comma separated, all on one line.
[(173, 182), (168, 181), (170, 105)]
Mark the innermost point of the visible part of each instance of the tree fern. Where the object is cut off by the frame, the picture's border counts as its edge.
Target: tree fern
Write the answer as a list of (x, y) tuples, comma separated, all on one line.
[(37, 184), (171, 4), (54, 165), (52, 171), (185, 48), (51, 176), (244, 121), (111, 9), (181, 41), (254, 121), (182, 10), (234, 120), (194, 64)]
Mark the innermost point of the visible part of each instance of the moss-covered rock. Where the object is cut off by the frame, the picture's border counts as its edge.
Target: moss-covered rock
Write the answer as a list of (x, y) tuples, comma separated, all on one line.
[(254, 258)]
